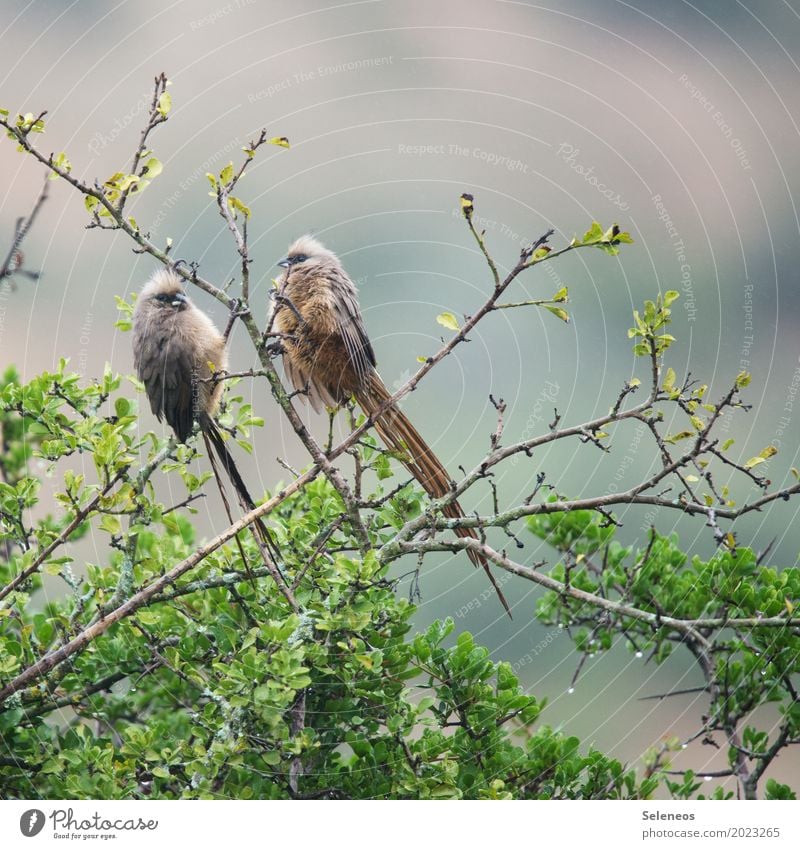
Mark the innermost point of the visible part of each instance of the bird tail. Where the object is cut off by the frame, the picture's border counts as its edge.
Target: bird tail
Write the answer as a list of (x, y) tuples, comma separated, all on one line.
[(214, 440), (403, 438)]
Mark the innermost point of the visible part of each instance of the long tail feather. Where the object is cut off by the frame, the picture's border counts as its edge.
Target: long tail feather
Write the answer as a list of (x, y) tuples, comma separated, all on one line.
[(402, 437), (211, 434), (225, 502)]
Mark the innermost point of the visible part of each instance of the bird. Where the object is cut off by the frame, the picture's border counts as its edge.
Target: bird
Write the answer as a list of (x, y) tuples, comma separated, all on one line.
[(177, 350), (328, 358)]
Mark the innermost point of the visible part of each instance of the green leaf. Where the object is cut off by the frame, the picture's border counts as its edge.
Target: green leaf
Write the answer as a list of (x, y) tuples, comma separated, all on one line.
[(448, 320), (677, 437), (669, 380), (152, 168), (558, 312), (237, 205), (593, 234), (279, 141), (111, 524), (769, 451), (60, 161), (164, 104)]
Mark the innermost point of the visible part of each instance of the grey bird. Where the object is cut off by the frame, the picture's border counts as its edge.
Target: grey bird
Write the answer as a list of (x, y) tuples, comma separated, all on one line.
[(176, 350)]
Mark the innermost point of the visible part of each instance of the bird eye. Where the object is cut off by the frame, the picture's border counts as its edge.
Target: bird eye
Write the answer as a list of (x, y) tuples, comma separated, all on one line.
[(173, 300), (299, 258)]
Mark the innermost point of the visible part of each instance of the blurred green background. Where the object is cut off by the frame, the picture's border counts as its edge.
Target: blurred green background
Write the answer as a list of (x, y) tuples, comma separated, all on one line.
[(678, 121)]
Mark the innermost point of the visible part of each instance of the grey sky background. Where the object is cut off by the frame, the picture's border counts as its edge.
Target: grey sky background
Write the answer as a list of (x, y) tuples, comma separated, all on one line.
[(677, 120)]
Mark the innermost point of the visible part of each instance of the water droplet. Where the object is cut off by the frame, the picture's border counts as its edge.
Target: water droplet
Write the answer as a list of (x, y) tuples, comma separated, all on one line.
[(560, 624), (571, 690), (639, 654), (708, 778), (684, 745)]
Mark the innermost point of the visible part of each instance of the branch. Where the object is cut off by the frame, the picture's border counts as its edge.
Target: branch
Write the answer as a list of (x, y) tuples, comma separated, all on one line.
[(23, 227), (143, 596)]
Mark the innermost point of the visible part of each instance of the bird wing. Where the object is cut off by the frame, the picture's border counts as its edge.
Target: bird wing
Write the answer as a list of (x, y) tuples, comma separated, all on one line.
[(169, 377), (351, 328)]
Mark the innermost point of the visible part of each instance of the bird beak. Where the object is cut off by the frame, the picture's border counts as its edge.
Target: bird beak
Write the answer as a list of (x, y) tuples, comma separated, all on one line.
[(178, 299), (284, 263)]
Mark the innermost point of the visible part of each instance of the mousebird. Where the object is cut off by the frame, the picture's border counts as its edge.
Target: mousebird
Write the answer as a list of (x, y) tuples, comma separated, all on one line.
[(327, 356), (177, 349)]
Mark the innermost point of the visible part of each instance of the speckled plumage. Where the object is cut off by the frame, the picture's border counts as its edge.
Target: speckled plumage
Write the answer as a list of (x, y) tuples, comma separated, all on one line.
[(328, 355), (175, 346)]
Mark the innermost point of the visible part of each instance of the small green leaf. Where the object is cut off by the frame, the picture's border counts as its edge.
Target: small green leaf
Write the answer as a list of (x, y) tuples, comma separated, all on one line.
[(448, 320), (699, 424), (226, 175), (111, 524), (593, 234), (237, 205), (152, 168), (762, 457), (279, 141), (558, 312), (164, 104)]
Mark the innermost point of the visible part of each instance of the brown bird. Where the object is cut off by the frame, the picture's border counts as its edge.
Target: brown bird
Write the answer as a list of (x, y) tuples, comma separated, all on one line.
[(327, 355), (176, 350)]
